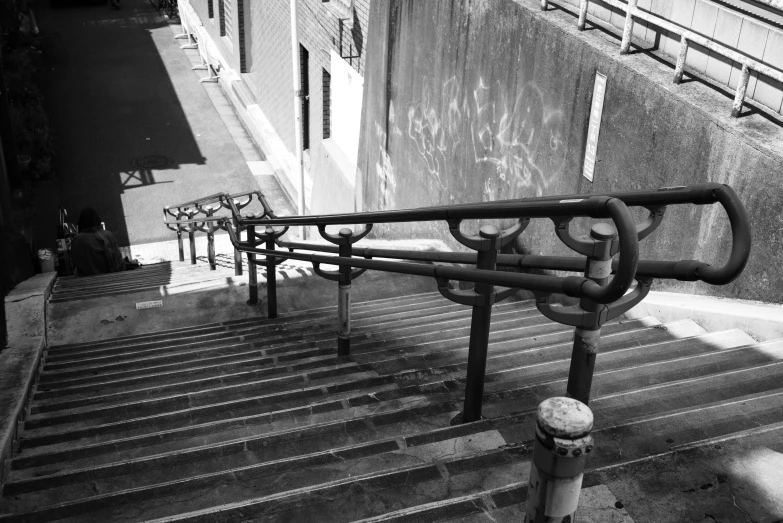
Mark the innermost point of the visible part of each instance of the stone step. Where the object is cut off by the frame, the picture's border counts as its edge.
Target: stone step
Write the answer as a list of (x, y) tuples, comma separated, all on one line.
[(66, 426), (329, 492), (360, 310)]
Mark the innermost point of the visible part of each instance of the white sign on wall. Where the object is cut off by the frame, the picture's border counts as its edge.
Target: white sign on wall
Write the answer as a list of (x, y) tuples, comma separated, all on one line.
[(346, 115), (596, 111)]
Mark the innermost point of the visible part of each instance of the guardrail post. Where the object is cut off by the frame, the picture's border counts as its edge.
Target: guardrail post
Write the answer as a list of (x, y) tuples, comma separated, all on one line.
[(344, 296), (587, 339), (479, 330), (211, 249), (560, 451), (252, 271), (680, 67), (180, 245), (580, 24), (271, 274), (739, 96), (544, 5), (625, 45), (237, 254), (192, 240)]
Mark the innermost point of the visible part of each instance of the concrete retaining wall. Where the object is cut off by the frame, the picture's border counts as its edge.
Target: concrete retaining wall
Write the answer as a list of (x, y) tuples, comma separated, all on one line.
[(479, 101)]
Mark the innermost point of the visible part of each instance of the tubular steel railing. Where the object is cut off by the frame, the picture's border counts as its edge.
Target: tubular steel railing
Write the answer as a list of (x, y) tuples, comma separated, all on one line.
[(186, 218), (602, 289), (633, 13)]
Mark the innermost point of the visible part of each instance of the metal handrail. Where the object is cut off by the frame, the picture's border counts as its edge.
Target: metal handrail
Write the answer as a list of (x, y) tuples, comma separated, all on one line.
[(632, 12), (602, 290)]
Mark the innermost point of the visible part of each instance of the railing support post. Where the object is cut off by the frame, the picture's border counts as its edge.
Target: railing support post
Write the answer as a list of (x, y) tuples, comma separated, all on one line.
[(252, 270), (180, 244), (192, 241), (560, 451), (211, 249), (271, 274), (344, 296), (739, 96), (580, 24), (625, 45), (237, 254), (544, 5), (588, 338), (680, 67), (479, 330)]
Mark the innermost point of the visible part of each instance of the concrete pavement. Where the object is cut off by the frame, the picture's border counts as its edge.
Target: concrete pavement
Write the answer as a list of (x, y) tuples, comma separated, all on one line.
[(123, 102)]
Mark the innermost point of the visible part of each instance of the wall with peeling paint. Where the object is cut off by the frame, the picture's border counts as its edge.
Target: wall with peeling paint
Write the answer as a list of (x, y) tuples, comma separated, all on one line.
[(479, 100)]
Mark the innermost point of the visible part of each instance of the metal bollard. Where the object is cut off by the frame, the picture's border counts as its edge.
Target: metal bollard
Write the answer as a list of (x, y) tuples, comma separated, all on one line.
[(560, 451), (252, 271), (344, 297)]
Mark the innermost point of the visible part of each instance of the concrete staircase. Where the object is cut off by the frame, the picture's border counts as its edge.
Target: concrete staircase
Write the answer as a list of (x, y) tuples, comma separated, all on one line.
[(258, 420)]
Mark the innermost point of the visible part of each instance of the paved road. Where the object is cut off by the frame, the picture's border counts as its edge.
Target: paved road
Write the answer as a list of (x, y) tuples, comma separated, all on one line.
[(118, 89)]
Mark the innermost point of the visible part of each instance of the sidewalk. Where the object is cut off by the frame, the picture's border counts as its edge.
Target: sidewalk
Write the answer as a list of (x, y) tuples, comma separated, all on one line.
[(135, 129)]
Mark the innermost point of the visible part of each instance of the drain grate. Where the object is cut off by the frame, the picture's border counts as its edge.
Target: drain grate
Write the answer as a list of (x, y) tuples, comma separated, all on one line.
[(152, 162)]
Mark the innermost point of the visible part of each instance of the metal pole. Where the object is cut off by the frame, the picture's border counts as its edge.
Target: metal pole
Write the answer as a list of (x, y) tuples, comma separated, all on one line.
[(582, 15), (544, 5), (628, 28), (742, 87), (344, 297), (295, 62), (211, 249), (237, 254), (560, 451), (180, 245), (587, 339), (252, 271), (192, 240), (680, 67), (271, 274), (479, 331)]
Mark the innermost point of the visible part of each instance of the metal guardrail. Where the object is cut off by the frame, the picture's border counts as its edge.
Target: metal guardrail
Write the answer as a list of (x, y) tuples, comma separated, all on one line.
[(633, 13), (186, 218), (602, 288)]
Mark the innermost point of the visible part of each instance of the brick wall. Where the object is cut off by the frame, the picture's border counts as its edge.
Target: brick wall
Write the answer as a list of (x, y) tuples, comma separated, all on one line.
[(262, 51), (268, 42)]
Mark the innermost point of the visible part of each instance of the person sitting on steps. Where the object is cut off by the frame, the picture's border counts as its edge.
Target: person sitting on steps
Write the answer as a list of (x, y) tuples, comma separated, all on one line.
[(94, 250)]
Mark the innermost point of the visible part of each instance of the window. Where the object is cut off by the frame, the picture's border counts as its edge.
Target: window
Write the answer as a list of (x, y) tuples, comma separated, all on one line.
[(229, 19), (304, 66), (327, 97)]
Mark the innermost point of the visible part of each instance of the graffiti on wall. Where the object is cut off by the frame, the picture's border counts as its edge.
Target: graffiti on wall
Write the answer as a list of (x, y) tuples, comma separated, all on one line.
[(517, 137)]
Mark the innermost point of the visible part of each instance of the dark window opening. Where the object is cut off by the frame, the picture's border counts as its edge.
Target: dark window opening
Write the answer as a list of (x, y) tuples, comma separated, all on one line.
[(327, 88), (304, 67), (222, 16), (211, 9)]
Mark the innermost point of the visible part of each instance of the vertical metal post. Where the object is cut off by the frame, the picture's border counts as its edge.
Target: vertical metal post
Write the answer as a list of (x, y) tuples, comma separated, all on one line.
[(192, 240), (479, 331), (560, 451), (211, 249), (580, 24), (237, 254), (180, 245), (625, 45), (680, 67), (587, 339), (344, 296), (252, 271), (271, 274), (544, 5), (742, 87)]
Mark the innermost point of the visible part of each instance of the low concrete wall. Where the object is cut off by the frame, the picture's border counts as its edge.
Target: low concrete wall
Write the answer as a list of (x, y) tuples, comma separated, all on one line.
[(480, 101), (25, 314)]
